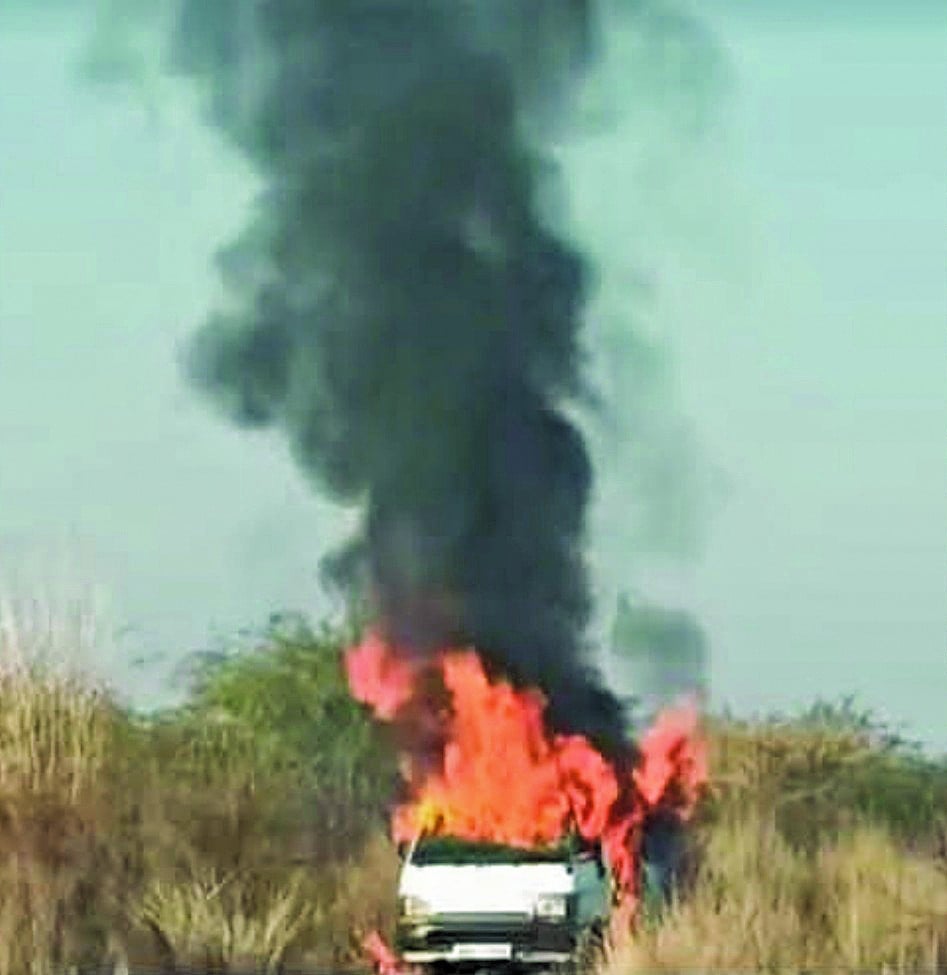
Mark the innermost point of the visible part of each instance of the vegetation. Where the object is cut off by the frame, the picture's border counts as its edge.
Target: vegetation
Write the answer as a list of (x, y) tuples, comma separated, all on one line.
[(246, 828), (822, 846), (243, 829)]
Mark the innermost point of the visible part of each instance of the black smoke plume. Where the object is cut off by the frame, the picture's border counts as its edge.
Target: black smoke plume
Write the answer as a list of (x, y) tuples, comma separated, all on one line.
[(404, 313)]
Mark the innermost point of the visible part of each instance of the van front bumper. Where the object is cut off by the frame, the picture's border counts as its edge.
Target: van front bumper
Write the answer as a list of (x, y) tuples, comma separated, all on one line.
[(485, 937)]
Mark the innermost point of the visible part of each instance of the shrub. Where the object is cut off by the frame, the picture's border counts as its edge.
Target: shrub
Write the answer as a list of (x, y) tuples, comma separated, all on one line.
[(68, 853), (824, 772), (820, 846)]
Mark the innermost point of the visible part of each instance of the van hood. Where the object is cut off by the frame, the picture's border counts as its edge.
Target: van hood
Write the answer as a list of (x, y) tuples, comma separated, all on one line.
[(486, 888)]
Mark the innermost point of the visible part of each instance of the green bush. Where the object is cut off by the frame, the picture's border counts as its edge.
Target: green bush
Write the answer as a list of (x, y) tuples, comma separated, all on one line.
[(825, 771), (270, 787), (288, 696)]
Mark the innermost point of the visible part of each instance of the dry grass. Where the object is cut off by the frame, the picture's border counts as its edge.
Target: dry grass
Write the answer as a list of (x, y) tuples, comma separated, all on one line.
[(818, 850), (180, 841), (860, 904), (61, 883), (207, 921), (362, 898), (194, 840)]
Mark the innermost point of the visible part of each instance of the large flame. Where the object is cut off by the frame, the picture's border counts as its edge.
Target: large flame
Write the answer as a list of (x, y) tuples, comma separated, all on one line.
[(481, 763)]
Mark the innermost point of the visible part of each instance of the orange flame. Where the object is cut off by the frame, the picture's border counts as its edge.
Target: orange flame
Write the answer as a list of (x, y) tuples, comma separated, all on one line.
[(384, 960), (504, 776), (380, 678)]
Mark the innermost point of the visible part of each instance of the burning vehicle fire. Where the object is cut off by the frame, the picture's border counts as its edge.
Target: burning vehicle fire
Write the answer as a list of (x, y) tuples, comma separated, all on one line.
[(520, 845), (408, 312)]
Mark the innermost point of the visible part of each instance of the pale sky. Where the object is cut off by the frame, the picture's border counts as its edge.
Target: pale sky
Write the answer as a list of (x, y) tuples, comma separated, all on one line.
[(818, 372), (798, 264)]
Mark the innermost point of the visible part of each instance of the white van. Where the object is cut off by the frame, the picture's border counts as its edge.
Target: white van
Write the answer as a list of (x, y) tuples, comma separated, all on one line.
[(473, 905)]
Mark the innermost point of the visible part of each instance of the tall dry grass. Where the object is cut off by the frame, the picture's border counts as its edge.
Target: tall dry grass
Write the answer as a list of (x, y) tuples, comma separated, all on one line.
[(234, 879), (188, 839), (63, 875), (820, 848), (859, 904), (207, 838)]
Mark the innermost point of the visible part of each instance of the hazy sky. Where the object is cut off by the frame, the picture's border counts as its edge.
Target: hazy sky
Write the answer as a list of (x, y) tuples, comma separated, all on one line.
[(818, 371), (798, 261)]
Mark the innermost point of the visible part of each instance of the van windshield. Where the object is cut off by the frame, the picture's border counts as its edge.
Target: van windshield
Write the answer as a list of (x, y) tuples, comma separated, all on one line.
[(432, 850)]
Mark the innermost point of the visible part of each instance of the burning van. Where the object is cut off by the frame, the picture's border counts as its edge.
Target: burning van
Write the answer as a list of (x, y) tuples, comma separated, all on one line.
[(473, 904), (517, 839)]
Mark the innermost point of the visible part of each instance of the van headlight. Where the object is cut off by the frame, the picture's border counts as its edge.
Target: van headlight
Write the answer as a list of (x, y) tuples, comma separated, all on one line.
[(412, 906), (553, 907)]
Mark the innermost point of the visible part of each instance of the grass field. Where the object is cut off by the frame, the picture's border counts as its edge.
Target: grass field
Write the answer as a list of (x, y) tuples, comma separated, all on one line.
[(246, 828)]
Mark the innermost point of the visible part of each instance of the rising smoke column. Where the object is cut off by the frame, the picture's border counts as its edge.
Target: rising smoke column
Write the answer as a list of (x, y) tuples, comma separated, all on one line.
[(406, 316)]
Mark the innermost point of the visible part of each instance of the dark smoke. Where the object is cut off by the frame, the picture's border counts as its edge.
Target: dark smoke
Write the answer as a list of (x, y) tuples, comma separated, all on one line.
[(406, 315)]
